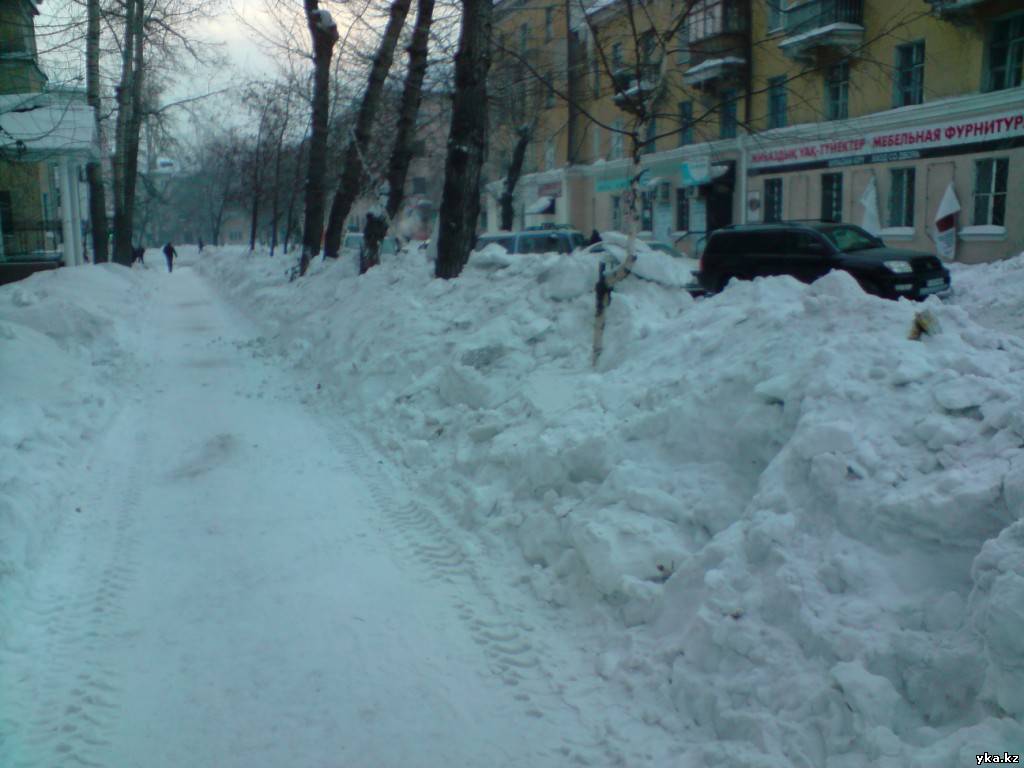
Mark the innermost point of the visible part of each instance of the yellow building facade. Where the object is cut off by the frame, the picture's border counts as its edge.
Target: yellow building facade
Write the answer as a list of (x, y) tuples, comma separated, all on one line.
[(867, 111)]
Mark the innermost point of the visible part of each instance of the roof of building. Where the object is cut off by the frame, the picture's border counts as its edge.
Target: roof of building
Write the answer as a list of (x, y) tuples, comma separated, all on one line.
[(55, 123)]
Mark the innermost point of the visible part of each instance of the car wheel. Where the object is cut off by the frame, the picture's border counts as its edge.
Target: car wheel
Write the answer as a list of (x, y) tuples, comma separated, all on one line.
[(870, 287)]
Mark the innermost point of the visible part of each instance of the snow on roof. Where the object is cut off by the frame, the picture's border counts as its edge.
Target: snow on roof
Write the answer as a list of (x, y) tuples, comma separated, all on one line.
[(707, 67), (540, 205), (51, 123), (839, 26)]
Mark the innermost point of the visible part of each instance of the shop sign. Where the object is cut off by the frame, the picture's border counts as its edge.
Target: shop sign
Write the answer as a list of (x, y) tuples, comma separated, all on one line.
[(696, 171), (903, 140), (611, 185)]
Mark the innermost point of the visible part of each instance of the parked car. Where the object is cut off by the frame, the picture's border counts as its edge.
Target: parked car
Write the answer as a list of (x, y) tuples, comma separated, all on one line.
[(535, 240), (352, 246), (808, 251)]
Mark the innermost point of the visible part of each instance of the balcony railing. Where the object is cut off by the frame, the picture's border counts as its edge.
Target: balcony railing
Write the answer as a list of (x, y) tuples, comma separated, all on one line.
[(821, 13), (713, 19)]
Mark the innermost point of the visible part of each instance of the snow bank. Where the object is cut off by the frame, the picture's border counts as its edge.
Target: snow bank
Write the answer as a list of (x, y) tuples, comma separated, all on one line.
[(63, 340), (806, 525), (991, 292)]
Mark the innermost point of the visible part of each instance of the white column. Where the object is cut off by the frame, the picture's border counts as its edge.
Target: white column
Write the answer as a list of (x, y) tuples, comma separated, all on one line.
[(66, 213), (76, 208)]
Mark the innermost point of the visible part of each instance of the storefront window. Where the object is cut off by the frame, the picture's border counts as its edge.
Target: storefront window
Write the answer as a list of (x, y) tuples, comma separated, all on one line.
[(990, 181), (646, 211), (1006, 54), (832, 197), (617, 213), (682, 210), (909, 80), (772, 200), (685, 123), (901, 197)]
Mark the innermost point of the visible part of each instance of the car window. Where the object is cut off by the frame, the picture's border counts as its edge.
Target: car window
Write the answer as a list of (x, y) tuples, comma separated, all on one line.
[(808, 244), (534, 243), (504, 242), (578, 241), (850, 238)]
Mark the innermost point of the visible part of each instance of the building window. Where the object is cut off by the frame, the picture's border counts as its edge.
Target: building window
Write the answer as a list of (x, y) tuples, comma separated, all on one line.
[(777, 102), (616, 56), (617, 212), (990, 182), (909, 80), (595, 74), (832, 197), (682, 47), (617, 139), (774, 15), (419, 185), (597, 142), (772, 200), (650, 139), (524, 38), (1006, 54), (646, 211), (727, 126), (837, 91), (682, 210), (685, 123), (549, 24), (549, 90), (901, 197)]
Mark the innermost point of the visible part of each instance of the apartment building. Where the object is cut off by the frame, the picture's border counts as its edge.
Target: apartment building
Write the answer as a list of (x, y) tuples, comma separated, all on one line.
[(870, 111), (46, 137)]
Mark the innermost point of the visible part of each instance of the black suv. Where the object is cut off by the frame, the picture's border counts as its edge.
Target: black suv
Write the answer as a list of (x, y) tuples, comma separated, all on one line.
[(809, 251)]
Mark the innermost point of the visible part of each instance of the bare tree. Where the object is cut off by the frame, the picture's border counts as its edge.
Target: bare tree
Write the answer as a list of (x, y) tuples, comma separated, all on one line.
[(460, 201), (94, 170), (401, 154), (352, 174), (324, 33)]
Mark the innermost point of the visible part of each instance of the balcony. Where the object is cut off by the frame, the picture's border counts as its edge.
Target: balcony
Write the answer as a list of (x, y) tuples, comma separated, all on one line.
[(963, 12), (717, 38), (836, 25)]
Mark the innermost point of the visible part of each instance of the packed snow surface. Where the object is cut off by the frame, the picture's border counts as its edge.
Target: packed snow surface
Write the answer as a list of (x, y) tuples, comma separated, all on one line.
[(777, 531)]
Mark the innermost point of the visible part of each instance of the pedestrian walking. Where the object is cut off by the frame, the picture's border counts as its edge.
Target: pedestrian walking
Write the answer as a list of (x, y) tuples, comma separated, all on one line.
[(200, 245), (595, 238), (138, 254), (170, 253)]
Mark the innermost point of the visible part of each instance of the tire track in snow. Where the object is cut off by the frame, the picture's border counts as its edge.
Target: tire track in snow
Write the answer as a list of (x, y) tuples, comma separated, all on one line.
[(505, 639), (65, 697)]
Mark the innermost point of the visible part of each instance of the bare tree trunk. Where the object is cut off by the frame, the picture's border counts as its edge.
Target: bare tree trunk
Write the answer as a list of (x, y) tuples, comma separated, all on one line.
[(124, 90), (515, 170), (292, 197), (352, 173), (401, 155), (257, 179), (460, 200), (94, 170), (325, 34), (276, 200)]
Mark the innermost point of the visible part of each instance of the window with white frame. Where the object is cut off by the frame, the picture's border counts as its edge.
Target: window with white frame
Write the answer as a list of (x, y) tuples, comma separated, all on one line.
[(837, 91), (990, 183), (682, 209), (909, 77), (1005, 54), (901, 197)]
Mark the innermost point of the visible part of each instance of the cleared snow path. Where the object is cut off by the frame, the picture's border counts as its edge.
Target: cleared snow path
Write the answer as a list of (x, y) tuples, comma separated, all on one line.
[(241, 585)]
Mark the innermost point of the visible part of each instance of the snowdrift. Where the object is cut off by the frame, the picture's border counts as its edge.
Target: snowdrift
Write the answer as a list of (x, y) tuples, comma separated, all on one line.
[(64, 340), (807, 526)]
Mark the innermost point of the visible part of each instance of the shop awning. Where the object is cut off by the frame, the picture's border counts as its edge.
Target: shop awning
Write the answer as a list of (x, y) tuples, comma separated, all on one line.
[(542, 205)]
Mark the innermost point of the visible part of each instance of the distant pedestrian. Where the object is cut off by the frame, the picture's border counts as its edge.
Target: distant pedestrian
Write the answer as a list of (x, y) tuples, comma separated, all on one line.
[(138, 254), (200, 245), (595, 238), (170, 253)]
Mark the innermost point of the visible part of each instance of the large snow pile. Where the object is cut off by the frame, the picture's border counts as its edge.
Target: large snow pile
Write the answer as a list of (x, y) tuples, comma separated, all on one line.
[(992, 292), (63, 343), (807, 525)]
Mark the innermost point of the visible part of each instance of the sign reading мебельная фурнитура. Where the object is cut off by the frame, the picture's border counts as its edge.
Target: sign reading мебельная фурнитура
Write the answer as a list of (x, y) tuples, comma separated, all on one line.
[(940, 136)]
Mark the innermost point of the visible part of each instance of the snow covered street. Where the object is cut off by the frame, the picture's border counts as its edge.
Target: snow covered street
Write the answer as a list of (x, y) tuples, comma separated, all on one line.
[(238, 584), (387, 520)]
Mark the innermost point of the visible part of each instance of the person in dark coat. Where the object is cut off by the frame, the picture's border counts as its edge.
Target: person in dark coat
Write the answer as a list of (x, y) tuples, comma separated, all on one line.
[(200, 245), (138, 252), (595, 237), (170, 253)]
